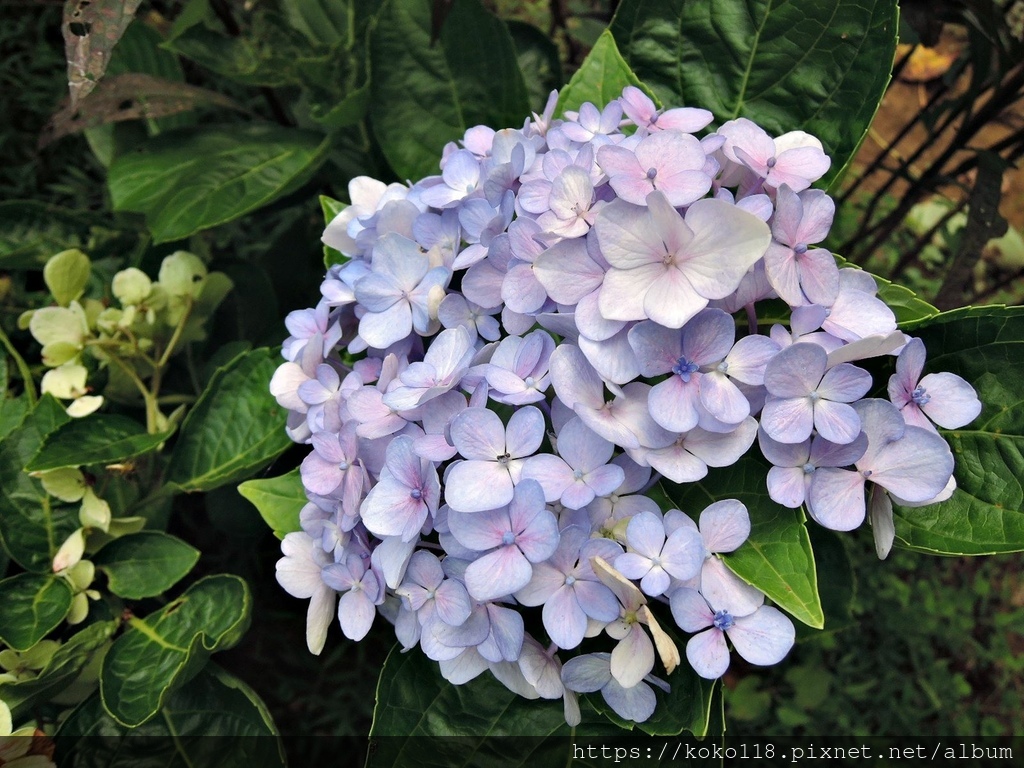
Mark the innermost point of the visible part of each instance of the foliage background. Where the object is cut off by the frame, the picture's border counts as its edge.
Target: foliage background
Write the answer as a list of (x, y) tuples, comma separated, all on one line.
[(933, 646)]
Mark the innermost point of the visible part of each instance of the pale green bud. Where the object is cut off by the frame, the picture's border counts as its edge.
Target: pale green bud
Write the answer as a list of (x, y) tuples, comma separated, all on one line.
[(60, 352), (131, 286), (67, 484), (81, 575), (109, 320), (70, 551), (39, 655), (79, 609), (95, 512), (66, 275), (182, 274), (122, 526), (65, 382), (83, 406)]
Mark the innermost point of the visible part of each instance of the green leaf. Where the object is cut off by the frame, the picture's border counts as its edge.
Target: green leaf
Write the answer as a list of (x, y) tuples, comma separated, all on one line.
[(214, 721), (66, 275), (33, 606), (163, 651), (600, 78), (332, 208), (31, 232), (235, 429), (145, 564), (777, 557), (31, 529), (189, 180), (985, 346), (426, 93), (838, 583), (12, 409), (99, 439), (278, 499), (539, 61), (61, 671), (815, 67)]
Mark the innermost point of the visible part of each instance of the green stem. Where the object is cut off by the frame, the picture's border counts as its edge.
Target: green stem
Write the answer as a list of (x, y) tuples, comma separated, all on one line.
[(23, 369), (148, 397), (176, 336)]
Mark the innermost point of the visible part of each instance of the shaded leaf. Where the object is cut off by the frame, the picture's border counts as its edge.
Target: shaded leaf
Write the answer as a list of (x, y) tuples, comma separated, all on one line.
[(985, 346), (600, 78), (332, 208), (235, 429), (33, 605), (130, 96), (278, 499), (424, 95), (145, 564), (91, 29), (32, 231), (777, 557), (98, 439), (189, 180), (163, 651), (31, 529), (539, 61), (61, 671), (213, 721), (816, 67)]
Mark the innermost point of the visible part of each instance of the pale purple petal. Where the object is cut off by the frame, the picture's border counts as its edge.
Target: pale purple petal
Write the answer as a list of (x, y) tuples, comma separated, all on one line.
[(764, 637), (836, 498), (498, 574), (633, 657), (724, 525), (708, 654), (953, 404), (788, 420), (564, 619), (690, 610), (636, 703)]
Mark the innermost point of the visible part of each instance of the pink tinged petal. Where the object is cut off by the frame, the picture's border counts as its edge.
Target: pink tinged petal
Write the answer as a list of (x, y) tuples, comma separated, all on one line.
[(392, 556), (673, 403), (836, 498), (405, 465), (355, 614), (604, 480), (690, 610), (708, 654), (683, 554), (915, 468), (479, 531), (478, 433), (749, 357), (567, 271), (590, 323), (574, 378), (725, 591), (724, 525), (764, 637), (677, 464), (953, 403), (836, 422), (390, 510), (553, 474), (545, 581), (525, 432), (645, 534), (788, 421), (798, 167), (539, 542), (498, 574), (626, 238), (818, 211), (826, 454), (623, 292), (633, 657), (819, 276), (720, 449), (783, 274), (910, 364), (789, 211), (320, 476), (784, 454), (376, 292), (613, 358), (787, 486), (723, 399), (845, 383), (671, 300), (521, 290), (564, 619), (795, 371), (577, 495)]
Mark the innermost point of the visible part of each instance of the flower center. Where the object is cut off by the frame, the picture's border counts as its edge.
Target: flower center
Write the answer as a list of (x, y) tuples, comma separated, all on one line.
[(684, 369), (920, 396), (724, 620), (722, 367), (343, 466), (578, 474), (570, 580), (770, 162), (529, 381), (651, 173), (800, 249), (416, 493), (808, 468), (508, 538), (504, 459)]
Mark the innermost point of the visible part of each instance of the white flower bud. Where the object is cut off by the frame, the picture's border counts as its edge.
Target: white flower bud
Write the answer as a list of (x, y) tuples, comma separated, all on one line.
[(131, 286)]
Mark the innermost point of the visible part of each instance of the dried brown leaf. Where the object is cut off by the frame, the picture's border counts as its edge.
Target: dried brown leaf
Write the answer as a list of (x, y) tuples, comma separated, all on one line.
[(131, 96), (91, 30)]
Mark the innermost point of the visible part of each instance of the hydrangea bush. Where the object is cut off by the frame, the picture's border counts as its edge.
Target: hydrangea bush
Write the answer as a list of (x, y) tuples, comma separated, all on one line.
[(511, 355)]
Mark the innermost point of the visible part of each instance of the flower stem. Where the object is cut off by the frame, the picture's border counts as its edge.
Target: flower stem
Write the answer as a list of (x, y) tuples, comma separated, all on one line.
[(23, 369)]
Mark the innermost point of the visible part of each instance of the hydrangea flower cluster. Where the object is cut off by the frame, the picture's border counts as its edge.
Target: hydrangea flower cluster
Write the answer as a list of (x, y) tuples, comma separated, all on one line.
[(516, 350)]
